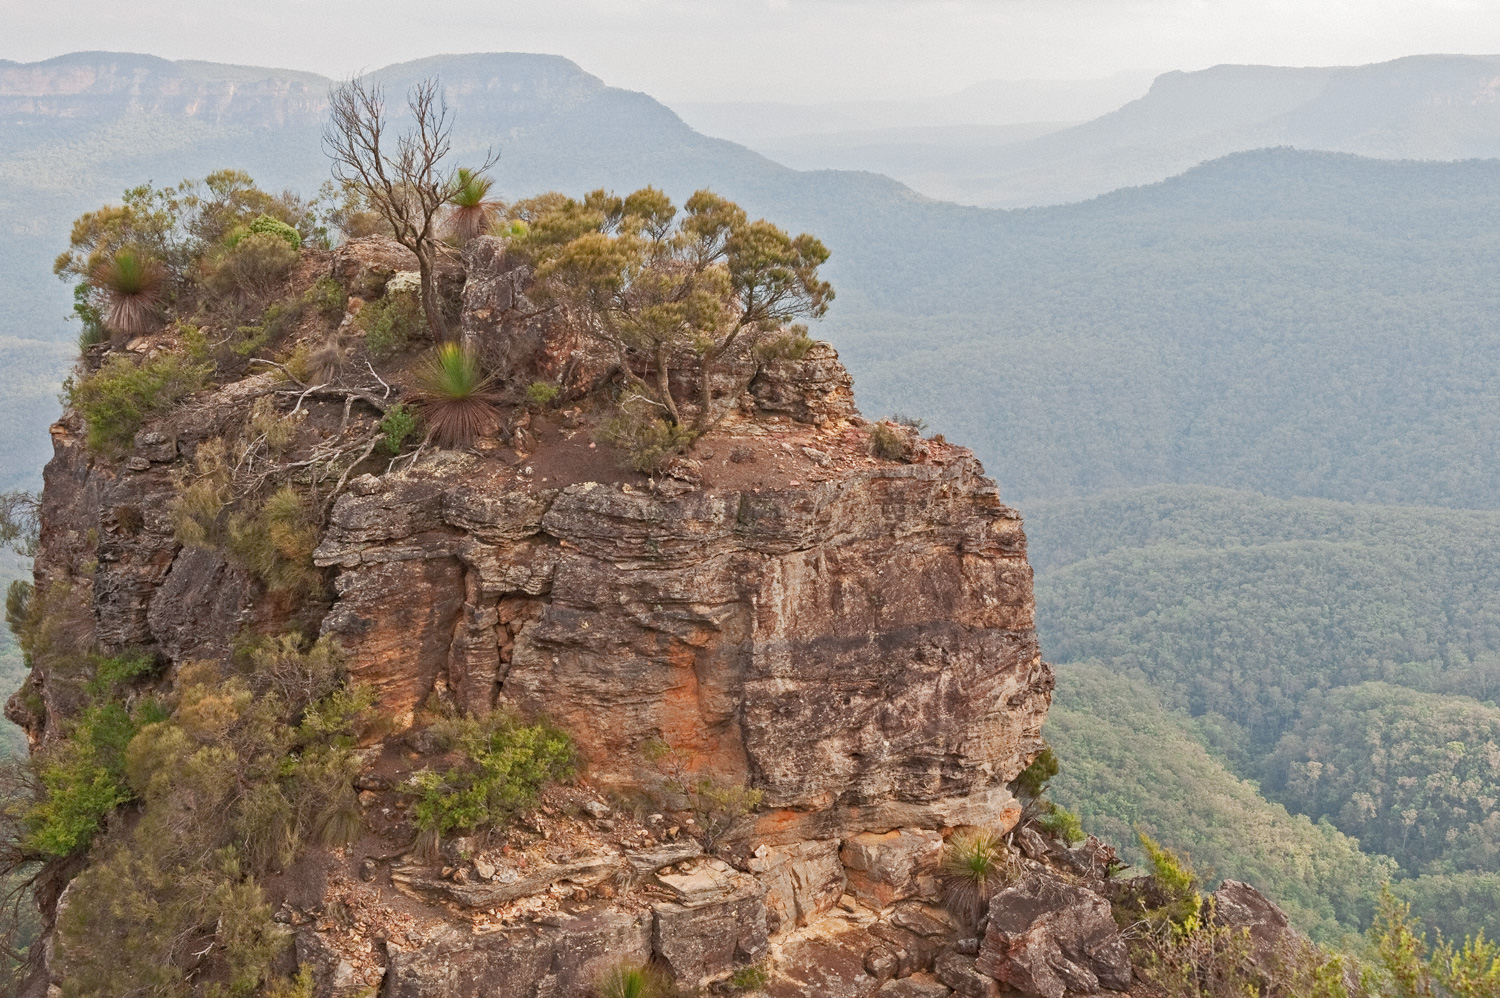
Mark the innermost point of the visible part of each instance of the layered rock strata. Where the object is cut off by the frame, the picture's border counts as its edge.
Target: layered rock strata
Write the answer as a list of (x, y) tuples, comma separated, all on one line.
[(847, 640)]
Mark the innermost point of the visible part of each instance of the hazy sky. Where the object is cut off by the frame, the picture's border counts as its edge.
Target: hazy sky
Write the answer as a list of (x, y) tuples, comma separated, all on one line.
[(801, 50)]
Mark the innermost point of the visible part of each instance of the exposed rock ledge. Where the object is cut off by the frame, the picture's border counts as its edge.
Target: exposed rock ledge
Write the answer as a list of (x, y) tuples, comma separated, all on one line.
[(851, 636)]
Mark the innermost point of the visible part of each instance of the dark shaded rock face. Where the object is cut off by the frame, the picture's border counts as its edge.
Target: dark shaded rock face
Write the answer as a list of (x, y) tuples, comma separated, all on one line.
[(847, 638)]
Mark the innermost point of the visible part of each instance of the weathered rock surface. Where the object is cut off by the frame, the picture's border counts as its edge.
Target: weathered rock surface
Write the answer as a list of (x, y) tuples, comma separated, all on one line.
[(1046, 937), (887, 867), (845, 641)]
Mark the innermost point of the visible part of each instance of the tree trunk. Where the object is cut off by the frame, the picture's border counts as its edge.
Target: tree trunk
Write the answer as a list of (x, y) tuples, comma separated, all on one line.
[(430, 304)]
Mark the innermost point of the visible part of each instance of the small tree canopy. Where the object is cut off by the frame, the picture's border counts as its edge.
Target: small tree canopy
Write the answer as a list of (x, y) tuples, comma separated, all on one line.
[(670, 292)]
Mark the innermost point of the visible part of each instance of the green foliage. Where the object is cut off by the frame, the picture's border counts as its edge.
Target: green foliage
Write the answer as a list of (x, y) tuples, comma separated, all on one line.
[(454, 396), (245, 770), (19, 521), (398, 423), (1454, 904), (90, 317), (1058, 821), (390, 323), (125, 392), (502, 766), (266, 225), (1414, 775), (276, 542), (633, 980), (751, 977), (1132, 763), (1175, 879), (1032, 781), (975, 863), (472, 209), (132, 286), (1333, 653), (646, 442), (82, 777), (1202, 960), (665, 292), (327, 297), (253, 265), (542, 394)]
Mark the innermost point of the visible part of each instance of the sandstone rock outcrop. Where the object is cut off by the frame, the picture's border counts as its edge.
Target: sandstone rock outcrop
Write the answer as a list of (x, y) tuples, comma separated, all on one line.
[(844, 641), (1046, 937)]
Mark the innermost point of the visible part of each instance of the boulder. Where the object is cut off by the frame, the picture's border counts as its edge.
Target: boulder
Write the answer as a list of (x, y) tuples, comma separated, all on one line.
[(915, 986), (1045, 937), (562, 959), (884, 868), (959, 973), (717, 923), (813, 388), (1275, 947), (803, 880), (364, 265), (519, 339)]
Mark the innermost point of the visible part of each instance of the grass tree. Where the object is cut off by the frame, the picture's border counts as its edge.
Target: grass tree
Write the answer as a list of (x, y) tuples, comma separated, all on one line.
[(672, 294), (132, 284), (472, 209), (406, 182), (454, 397)]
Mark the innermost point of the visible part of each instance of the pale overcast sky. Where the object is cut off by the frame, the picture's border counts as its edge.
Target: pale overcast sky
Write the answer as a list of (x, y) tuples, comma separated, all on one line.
[(800, 50)]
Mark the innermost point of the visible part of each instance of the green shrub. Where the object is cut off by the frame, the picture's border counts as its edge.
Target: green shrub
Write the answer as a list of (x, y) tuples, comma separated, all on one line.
[(1032, 781), (633, 980), (276, 542), (1061, 822), (391, 323), (751, 977), (542, 394), (82, 777), (646, 442), (455, 398), (270, 226), (116, 399), (89, 316), (504, 765), (791, 345), (245, 771), (252, 265), (398, 423), (326, 296), (1176, 881)]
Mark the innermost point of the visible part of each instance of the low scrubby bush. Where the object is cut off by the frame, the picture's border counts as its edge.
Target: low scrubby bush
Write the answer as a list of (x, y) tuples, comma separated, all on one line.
[(501, 768), (398, 423), (391, 323), (125, 392)]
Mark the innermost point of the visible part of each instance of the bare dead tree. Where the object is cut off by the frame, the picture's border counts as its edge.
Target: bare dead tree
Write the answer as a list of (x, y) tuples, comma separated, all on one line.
[(410, 187)]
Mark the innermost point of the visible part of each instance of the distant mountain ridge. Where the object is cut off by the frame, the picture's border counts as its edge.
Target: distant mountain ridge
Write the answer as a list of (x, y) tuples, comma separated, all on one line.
[(1437, 107)]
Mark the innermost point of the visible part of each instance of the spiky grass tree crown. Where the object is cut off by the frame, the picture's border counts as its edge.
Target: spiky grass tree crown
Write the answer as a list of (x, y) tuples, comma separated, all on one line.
[(974, 864), (472, 208), (133, 284), (455, 397), (633, 980)]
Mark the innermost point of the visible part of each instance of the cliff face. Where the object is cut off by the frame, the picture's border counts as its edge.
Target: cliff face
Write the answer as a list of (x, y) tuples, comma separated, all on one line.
[(840, 645)]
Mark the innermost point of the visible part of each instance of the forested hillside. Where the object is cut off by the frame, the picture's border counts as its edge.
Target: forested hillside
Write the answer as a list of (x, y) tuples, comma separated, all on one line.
[(1344, 658)]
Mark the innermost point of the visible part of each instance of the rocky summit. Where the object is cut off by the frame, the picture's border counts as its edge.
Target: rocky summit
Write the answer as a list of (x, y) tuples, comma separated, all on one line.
[(794, 666)]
